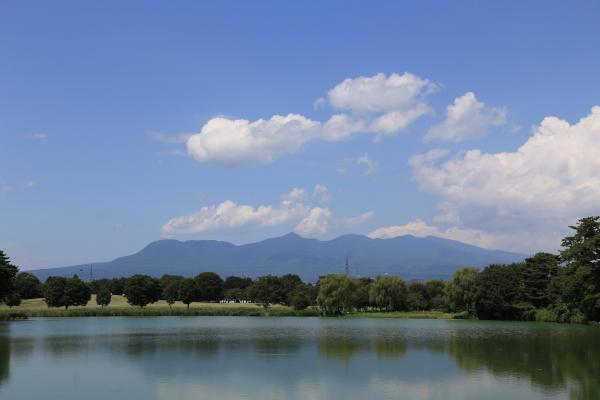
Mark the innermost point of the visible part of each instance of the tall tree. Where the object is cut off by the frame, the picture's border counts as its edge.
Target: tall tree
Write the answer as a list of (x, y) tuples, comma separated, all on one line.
[(337, 294), (13, 299), (8, 273), (54, 291), (142, 290), (538, 272), (188, 291), (28, 286), (498, 290), (103, 296), (581, 255), (210, 285), (389, 293), (460, 290), (267, 290), (288, 283), (236, 282), (171, 291), (77, 293)]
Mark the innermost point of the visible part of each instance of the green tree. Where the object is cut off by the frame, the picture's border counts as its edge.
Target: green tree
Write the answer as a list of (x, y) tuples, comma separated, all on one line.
[(538, 272), (300, 297), (189, 291), (498, 291), (389, 292), (459, 292), (141, 290), (288, 283), (103, 296), (28, 286), (236, 282), (581, 256), (54, 291), (267, 290), (13, 299), (171, 291), (417, 297), (435, 294), (362, 293), (337, 294), (8, 273), (234, 294), (117, 285), (96, 284), (77, 293), (210, 285)]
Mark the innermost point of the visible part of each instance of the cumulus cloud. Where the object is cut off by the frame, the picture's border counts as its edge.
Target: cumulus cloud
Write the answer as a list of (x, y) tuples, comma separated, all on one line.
[(383, 105), (545, 185), (233, 142), (293, 207), (358, 220), (420, 228), (466, 118), (380, 93), (315, 223)]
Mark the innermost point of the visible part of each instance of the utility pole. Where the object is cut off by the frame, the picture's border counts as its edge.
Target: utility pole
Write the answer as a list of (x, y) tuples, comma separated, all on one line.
[(91, 274), (347, 267)]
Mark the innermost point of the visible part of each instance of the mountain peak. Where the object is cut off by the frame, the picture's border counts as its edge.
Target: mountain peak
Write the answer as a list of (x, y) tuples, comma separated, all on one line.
[(407, 256)]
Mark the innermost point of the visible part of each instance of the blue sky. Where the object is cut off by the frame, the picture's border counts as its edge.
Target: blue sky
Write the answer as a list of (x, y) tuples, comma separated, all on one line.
[(118, 122)]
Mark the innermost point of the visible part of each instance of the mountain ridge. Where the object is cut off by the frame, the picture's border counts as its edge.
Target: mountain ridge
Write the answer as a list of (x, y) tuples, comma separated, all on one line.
[(408, 256)]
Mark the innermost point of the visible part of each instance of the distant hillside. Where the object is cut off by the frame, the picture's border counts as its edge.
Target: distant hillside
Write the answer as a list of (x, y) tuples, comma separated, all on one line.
[(407, 256)]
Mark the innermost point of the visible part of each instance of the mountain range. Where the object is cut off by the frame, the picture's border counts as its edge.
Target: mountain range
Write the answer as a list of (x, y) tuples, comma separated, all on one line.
[(407, 256)]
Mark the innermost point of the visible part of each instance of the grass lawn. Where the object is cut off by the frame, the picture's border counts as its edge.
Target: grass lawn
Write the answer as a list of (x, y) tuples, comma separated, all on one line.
[(121, 302), (119, 307)]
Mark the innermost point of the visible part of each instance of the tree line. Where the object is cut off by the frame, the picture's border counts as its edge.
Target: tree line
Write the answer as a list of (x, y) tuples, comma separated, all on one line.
[(547, 287)]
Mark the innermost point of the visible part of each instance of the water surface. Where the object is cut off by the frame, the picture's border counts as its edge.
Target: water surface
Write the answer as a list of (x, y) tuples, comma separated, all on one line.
[(251, 358)]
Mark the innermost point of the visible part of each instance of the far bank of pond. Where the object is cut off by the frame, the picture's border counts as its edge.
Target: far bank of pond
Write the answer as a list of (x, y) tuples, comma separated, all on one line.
[(119, 307)]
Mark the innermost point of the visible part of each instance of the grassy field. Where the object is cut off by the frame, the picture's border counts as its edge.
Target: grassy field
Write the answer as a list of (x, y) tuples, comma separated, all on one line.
[(120, 307)]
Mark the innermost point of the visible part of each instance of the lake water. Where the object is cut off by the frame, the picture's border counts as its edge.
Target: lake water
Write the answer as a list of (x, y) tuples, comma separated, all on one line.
[(295, 358)]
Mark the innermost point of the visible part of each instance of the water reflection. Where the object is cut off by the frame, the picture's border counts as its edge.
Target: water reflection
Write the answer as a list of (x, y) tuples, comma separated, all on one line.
[(4, 358), (307, 358)]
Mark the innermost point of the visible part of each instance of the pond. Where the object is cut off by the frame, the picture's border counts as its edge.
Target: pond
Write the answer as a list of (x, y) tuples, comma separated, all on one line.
[(295, 358)]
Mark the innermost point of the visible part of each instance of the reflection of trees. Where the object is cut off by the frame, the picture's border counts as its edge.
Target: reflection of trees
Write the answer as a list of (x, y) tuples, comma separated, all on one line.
[(551, 360), (344, 347), (4, 358), (276, 346)]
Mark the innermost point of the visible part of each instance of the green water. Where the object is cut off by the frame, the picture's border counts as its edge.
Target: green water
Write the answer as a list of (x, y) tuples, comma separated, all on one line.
[(295, 358)]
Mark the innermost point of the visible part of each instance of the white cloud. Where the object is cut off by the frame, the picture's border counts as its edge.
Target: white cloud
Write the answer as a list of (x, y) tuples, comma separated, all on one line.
[(419, 228), (234, 142), (539, 189), (227, 216), (378, 104), (37, 136), (370, 164), (315, 223), (380, 93), (358, 220), (467, 118), (363, 160)]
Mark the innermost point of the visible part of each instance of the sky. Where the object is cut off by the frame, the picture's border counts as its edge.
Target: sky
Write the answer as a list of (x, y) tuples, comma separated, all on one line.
[(122, 123)]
